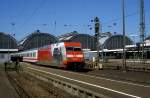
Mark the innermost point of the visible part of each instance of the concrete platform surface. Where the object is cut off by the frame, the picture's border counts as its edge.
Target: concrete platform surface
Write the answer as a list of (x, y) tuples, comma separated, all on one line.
[(6, 89)]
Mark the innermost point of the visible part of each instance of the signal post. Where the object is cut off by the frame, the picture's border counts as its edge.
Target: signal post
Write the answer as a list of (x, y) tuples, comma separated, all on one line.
[(97, 35)]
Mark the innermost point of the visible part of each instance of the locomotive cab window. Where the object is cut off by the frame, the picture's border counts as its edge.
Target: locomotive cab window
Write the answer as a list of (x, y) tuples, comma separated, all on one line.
[(77, 49), (69, 48), (73, 49)]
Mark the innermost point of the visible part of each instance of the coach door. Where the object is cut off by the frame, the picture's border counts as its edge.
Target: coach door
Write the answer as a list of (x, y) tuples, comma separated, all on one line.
[(57, 56)]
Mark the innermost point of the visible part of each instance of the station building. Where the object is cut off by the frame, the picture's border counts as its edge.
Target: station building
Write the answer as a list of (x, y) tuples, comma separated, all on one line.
[(116, 42), (35, 40), (106, 40), (8, 45), (111, 46)]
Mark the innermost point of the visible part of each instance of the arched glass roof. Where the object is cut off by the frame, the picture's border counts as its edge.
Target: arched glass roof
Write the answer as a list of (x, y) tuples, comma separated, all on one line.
[(116, 42), (7, 41), (37, 39), (87, 41)]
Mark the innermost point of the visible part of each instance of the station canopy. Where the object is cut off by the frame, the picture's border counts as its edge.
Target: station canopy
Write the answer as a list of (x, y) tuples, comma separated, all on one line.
[(148, 38), (87, 41), (7, 41), (37, 39), (116, 42), (103, 37)]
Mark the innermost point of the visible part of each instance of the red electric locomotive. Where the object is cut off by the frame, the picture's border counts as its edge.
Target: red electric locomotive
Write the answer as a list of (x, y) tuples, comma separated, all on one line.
[(62, 55)]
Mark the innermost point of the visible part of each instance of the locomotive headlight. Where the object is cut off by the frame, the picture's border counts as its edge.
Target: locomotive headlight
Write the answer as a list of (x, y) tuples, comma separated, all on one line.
[(69, 55), (79, 55)]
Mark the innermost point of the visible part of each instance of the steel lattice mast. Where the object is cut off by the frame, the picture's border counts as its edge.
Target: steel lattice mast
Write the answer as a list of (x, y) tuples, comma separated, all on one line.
[(124, 40), (142, 27)]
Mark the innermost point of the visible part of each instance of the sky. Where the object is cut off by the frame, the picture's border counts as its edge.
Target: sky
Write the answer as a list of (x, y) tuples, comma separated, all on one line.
[(56, 17)]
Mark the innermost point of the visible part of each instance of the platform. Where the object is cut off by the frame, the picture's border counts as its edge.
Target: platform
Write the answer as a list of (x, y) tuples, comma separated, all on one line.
[(6, 89)]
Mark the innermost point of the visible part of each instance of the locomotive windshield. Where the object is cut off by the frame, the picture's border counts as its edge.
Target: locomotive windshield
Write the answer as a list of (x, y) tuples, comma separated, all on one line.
[(69, 48), (77, 49), (73, 49)]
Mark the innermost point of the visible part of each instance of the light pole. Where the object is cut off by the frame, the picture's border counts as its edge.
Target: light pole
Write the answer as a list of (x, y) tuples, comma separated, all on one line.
[(124, 40), (8, 47), (142, 27)]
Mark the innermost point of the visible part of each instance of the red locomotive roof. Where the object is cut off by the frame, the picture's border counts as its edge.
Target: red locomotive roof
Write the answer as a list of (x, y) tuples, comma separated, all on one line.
[(78, 44)]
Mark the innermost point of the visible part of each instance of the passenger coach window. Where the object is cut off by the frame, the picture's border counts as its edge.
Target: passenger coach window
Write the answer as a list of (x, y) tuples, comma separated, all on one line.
[(34, 54), (30, 55)]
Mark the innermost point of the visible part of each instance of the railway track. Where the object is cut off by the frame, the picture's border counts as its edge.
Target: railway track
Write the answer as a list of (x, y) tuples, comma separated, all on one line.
[(116, 64), (19, 89), (28, 86), (88, 86)]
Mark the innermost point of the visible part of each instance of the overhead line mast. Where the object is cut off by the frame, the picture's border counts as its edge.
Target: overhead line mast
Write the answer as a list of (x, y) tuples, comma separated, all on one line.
[(142, 27), (124, 40), (97, 35)]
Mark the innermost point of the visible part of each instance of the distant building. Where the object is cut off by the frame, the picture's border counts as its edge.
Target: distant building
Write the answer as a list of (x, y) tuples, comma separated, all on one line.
[(8, 45)]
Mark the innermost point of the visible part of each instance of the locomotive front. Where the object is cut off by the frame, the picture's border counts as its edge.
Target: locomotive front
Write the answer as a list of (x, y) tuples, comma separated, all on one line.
[(74, 55)]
